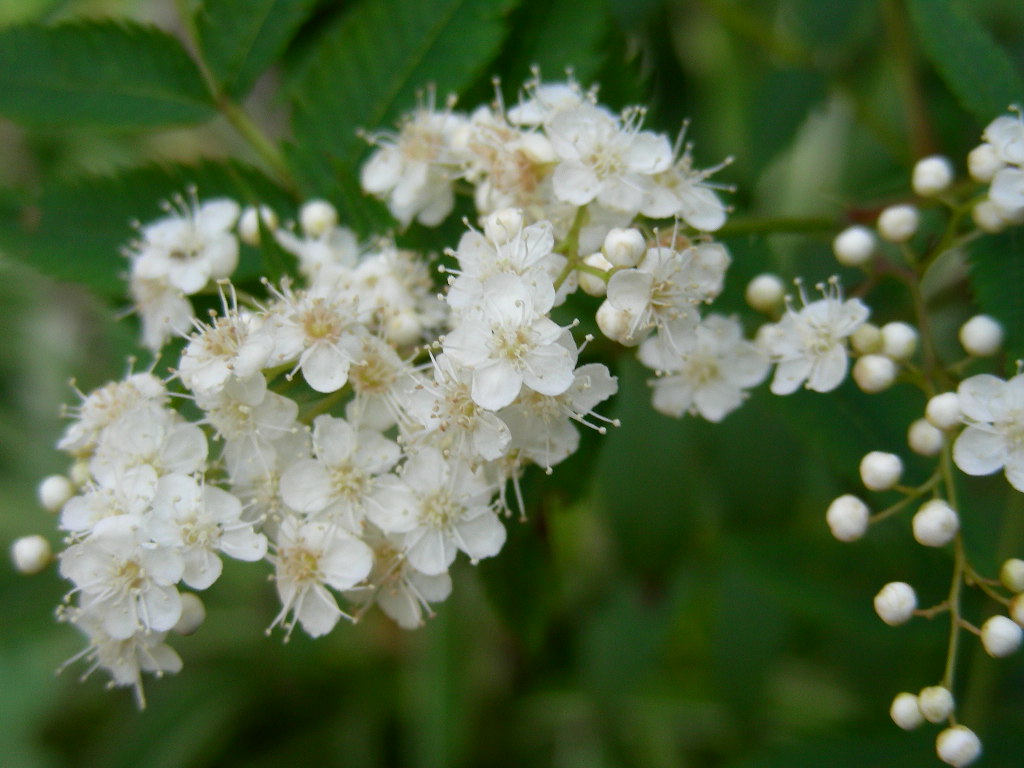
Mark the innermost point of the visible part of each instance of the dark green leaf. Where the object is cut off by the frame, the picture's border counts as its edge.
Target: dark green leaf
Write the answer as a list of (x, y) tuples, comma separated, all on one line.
[(241, 38), (555, 35), (975, 69), (77, 230), (108, 74), (997, 276), (371, 65)]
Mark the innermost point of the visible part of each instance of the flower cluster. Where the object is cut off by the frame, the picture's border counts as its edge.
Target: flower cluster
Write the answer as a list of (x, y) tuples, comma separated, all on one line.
[(974, 425)]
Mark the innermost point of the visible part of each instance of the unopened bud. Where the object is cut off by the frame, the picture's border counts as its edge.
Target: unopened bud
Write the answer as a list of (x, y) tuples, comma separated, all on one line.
[(895, 603), (899, 341), (31, 554), (317, 217), (958, 746), (1011, 574), (1001, 636), (905, 712), (984, 162), (935, 524), (936, 703), (981, 336), (624, 247), (54, 491), (593, 285), (854, 246), (874, 373), (898, 223), (943, 411), (880, 471), (847, 518), (932, 176), (924, 438), (765, 293)]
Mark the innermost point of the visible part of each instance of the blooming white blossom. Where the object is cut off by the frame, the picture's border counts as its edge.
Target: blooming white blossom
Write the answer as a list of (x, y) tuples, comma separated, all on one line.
[(604, 159), (413, 170), (199, 519), (809, 344), (105, 406), (339, 483), (703, 368), (308, 558), (125, 580), (190, 247), (993, 439), (441, 506), (509, 343)]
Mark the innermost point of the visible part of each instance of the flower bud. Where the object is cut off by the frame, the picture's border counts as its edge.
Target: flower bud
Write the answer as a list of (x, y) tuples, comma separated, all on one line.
[(935, 524), (1001, 636), (989, 217), (984, 162), (765, 293), (943, 411), (924, 438), (898, 223), (905, 712), (880, 471), (854, 246), (593, 285), (1017, 610), (932, 176), (54, 491), (899, 341), (317, 217), (847, 518), (874, 373), (1012, 574), (936, 703), (895, 603), (31, 554), (867, 339), (981, 336), (624, 247), (502, 225), (80, 474), (403, 327), (193, 613), (249, 225), (958, 746), (617, 325)]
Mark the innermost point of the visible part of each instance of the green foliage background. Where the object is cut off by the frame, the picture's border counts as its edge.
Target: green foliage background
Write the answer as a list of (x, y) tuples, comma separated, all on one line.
[(675, 598)]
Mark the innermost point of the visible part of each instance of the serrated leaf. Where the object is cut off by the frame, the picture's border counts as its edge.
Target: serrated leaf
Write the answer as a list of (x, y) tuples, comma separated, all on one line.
[(371, 65), (975, 69), (240, 39), (77, 229), (115, 75), (997, 277)]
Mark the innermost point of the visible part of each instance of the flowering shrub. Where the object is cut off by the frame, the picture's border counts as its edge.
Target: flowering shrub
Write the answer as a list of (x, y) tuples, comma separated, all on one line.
[(356, 414)]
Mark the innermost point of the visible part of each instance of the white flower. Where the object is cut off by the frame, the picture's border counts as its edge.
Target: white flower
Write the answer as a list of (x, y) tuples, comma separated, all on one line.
[(542, 425), (809, 345), (1006, 135), (604, 160), (322, 328), (413, 171), (105, 406), (124, 658), (331, 251), (993, 410), (451, 420), (190, 247), (125, 580), (124, 491), (682, 191), (402, 592), (510, 343), (704, 368), (309, 558), (441, 506), (163, 310), (505, 246), (199, 519), (235, 344), (249, 419), (160, 438), (338, 484)]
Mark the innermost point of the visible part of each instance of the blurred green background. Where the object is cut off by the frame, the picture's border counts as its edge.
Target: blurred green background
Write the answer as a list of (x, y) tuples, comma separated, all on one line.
[(675, 598)]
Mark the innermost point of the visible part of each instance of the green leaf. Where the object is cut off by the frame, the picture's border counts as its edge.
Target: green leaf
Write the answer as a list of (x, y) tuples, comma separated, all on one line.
[(555, 35), (241, 38), (370, 66), (997, 277), (975, 69), (77, 230), (102, 73)]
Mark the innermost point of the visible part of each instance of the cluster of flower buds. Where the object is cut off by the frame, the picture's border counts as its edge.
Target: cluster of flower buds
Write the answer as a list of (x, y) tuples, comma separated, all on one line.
[(977, 424)]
